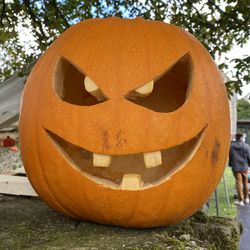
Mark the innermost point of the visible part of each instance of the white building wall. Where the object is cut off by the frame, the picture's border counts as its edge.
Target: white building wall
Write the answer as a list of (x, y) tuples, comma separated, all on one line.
[(232, 107), (233, 113)]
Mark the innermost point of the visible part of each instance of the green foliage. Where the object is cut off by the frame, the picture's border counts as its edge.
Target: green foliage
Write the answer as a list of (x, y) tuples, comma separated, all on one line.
[(218, 24), (243, 109)]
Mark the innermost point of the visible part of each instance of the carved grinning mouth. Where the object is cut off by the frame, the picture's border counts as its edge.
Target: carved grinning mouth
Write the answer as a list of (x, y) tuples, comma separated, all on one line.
[(129, 172)]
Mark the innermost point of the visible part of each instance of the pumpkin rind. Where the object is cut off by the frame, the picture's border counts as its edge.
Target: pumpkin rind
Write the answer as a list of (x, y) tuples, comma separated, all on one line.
[(121, 55)]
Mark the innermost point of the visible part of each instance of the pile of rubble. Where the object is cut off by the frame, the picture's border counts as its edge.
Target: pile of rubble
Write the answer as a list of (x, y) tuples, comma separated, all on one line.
[(9, 160)]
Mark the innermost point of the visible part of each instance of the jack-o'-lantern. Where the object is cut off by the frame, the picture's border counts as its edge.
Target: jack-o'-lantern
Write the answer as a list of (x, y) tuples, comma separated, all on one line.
[(125, 122)]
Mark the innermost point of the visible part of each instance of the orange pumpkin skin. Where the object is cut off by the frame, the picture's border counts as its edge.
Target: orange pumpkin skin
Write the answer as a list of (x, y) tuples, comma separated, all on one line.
[(121, 55)]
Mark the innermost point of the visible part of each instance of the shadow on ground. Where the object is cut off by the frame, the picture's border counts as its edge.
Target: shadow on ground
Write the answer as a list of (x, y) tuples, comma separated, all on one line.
[(28, 223)]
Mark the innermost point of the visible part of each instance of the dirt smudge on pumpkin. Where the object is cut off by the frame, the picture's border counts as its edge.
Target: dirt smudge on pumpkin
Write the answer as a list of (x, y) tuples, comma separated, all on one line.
[(120, 142), (206, 154), (105, 139), (215, 152)]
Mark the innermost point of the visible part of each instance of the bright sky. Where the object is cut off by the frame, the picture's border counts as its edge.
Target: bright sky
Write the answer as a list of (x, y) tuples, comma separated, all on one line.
[(25, 36)]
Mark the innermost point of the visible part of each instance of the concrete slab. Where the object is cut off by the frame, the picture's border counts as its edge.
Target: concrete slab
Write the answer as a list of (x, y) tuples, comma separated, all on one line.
[(244, 218)]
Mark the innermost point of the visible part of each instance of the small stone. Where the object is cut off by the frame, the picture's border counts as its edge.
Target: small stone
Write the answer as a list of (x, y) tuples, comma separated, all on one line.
[(159, 236), (185, 237), (192, 243)]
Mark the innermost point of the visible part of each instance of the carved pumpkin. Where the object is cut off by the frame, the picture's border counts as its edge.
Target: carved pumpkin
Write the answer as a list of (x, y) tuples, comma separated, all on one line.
[(125, 122)]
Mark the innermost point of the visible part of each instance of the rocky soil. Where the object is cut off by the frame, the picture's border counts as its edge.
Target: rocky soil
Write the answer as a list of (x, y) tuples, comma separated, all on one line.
[(28, 223)]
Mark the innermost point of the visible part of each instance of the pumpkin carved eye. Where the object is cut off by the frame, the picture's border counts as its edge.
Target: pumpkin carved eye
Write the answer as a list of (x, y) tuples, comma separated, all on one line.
[(167, 92), (72, 86)]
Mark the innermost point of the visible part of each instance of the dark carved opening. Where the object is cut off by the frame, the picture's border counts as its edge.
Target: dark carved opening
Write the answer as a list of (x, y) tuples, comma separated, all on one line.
[(69, 85), (171, 90)]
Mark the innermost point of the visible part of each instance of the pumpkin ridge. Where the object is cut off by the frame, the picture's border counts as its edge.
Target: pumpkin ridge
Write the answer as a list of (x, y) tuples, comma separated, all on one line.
[(63, 208)]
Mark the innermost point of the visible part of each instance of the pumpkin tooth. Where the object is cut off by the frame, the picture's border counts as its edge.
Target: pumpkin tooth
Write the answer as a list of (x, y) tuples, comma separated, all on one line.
[(131, 182), (93, 89), (145, 90), (101, 160), (152, 159)]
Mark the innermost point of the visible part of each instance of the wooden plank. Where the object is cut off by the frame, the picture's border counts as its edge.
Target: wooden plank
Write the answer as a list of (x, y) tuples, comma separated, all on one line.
[(16, 185), (19, 171)]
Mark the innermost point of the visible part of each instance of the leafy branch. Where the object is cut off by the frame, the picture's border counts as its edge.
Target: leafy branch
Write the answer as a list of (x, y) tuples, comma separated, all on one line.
[(218, 28)]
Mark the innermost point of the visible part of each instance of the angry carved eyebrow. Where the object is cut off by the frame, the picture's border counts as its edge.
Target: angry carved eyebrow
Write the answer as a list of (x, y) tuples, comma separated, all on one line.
[(73, 86), (168, 91)]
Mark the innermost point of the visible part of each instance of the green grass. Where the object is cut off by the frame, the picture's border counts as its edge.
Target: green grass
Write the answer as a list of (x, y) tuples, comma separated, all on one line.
[(224, 210)]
